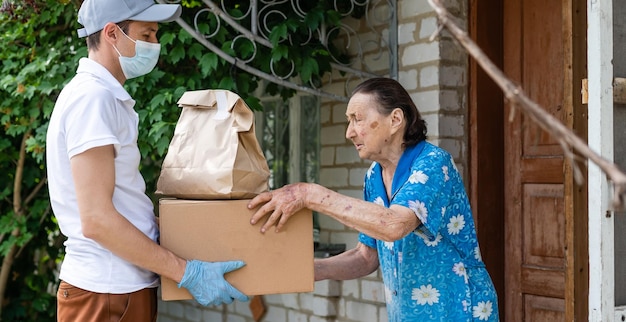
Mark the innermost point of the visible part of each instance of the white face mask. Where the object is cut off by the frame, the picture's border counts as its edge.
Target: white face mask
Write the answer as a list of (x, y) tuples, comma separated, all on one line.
[(146, 57)]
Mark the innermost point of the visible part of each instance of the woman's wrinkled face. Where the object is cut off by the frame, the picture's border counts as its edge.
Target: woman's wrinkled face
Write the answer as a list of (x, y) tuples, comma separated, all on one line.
[(369, 130)]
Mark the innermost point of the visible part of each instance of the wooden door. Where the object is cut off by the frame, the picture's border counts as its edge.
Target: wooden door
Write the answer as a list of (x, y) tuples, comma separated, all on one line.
[(536, 50)]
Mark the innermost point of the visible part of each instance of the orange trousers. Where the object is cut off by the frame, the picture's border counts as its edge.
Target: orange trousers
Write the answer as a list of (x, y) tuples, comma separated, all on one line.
[(76, 304)]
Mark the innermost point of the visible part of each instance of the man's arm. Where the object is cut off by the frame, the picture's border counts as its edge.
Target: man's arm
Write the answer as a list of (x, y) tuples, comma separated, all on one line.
[(93, 172), (354, 263)]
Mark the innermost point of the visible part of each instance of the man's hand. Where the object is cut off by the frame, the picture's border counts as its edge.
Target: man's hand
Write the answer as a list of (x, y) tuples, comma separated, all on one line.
[(205, 281)]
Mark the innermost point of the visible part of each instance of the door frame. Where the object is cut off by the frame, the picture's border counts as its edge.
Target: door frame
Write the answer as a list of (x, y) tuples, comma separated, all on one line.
[(486, 157)]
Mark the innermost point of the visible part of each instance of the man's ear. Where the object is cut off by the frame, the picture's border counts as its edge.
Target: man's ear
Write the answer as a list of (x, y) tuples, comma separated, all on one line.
[(110, 33)]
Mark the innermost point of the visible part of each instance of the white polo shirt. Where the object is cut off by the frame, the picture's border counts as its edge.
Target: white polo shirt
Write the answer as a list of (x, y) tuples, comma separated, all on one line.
[(95, 110)]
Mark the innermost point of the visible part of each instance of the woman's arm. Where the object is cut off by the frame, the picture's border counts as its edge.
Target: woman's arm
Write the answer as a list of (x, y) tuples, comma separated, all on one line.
[(354, 263), (387, 224)]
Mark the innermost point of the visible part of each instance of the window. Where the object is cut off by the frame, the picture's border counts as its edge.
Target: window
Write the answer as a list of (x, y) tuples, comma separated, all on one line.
[(289, 134)]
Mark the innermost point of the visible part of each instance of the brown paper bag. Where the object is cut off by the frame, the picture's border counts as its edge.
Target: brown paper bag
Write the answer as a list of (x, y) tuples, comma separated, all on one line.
[(214, 153)]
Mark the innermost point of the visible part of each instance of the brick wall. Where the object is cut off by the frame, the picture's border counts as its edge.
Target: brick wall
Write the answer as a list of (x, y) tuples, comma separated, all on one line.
[(435, 74)]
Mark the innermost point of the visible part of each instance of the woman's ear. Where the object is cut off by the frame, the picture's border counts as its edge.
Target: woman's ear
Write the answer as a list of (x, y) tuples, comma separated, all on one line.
[(397, 117)]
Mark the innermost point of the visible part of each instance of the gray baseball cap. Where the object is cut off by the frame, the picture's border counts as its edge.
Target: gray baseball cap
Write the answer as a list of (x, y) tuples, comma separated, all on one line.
[(94, 14)]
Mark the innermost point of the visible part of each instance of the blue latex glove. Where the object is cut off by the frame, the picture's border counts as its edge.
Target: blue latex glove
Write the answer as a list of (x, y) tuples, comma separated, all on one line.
[(205, 281)]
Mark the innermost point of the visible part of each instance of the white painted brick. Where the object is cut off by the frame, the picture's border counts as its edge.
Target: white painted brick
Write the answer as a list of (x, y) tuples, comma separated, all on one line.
[(306, 301), (373, 291), (406, 33), (382, 314), (211, 316), (432, 122), (357, 176), (453, 76), (291, 301), (273, 299), (175, 308), (295, 316), (377, 60), (428, 26), (429, 76), (347, 155), (341, 307), (360, 311), (334, 177), (452, 125), (325, 114), (339, 114), (420, 53), (452, 146), (411, 8), (350, 288), (336, 88), (327, 156), (193, 313), (328, 288), (235, 318), (275, 314), (408, 79), (380, 15), (364, 43), (324, 307), (334, 134), (374, 275), (241, 308), (450, 101), (427, 101)]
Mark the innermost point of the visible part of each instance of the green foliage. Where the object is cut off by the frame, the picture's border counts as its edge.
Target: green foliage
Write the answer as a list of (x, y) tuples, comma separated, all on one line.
[(40, 53)]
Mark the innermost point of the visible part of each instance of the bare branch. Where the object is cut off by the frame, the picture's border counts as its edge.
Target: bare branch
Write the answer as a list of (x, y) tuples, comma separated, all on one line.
[(546, 121)]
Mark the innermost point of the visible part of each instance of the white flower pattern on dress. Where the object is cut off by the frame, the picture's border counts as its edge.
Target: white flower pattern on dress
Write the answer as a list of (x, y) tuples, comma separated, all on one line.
[(427, 241), (445, 173), (483, 310), (389, 245), (370, 170), (426, 294), (418, 177), (459, 269), (379, 201), (420, 210), (456, 224), (477, 254)]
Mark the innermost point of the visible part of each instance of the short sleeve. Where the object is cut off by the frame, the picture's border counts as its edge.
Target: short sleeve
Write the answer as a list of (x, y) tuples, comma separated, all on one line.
[(91, 121), (367, 240), (427, 190)]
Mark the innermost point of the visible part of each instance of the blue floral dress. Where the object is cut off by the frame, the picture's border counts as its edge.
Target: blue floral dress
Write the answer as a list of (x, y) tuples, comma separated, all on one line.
[(436, 272)]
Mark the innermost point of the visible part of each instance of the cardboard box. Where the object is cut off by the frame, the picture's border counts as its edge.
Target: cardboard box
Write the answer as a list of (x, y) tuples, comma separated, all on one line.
[(220, 230)]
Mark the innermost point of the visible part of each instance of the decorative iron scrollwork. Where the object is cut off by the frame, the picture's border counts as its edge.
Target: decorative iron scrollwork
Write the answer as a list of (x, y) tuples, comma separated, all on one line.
[(252, 22)]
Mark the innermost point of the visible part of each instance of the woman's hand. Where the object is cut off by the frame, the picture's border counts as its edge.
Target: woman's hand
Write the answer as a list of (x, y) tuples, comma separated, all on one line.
[(280, 204)]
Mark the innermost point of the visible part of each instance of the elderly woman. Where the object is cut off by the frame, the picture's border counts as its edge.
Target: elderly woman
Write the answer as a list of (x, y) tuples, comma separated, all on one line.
[(415, 222)]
